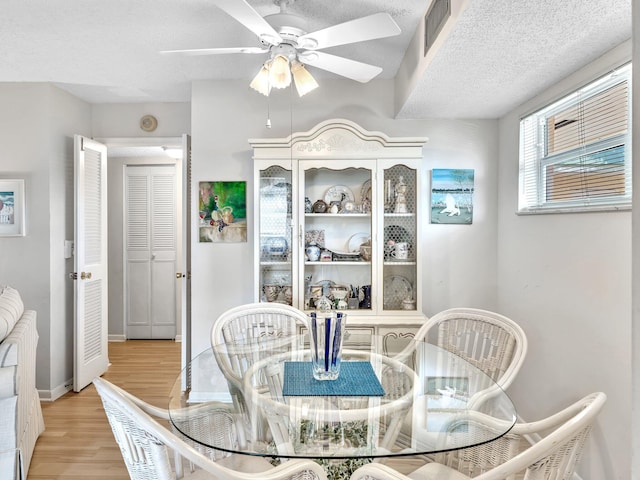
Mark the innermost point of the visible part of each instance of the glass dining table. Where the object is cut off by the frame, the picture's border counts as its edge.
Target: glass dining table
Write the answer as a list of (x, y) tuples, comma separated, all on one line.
[(380, 406)]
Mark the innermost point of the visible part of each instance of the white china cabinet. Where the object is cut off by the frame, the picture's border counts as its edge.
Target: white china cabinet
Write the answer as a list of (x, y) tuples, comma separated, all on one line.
[(338, 224)]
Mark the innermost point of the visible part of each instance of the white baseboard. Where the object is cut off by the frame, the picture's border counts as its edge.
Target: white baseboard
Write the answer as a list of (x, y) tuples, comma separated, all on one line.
[(56, 393), (123, 338)]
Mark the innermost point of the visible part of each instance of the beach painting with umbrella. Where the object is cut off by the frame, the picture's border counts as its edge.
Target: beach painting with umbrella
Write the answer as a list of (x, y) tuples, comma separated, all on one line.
[(452, 196)]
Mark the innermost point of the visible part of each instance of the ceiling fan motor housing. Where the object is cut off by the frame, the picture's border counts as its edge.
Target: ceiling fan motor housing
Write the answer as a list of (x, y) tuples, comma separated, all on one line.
[(290, 27), (284, 50)]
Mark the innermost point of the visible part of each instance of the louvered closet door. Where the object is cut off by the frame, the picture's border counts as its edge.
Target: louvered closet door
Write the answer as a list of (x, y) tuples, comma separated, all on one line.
[(151, 252), (91, 356)]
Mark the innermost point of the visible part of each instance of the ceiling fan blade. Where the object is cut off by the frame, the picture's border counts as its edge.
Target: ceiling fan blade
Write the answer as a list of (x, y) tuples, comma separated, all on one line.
[(250, 18), (378, 25), (217, 51), (358, 71)]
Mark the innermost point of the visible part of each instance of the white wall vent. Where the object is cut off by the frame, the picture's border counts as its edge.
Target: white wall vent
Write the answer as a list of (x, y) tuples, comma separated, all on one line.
[(434, 20)]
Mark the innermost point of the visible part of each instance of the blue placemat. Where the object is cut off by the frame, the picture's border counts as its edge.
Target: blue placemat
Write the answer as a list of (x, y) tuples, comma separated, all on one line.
[(356, 379)]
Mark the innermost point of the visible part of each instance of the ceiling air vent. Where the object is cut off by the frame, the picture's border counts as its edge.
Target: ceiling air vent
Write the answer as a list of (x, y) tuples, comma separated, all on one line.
[(434, 20)]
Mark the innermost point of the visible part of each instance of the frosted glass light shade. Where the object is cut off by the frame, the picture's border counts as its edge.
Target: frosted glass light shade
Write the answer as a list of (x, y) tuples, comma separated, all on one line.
[(280, 72), (277, 73), (261, 81), (303, 80)]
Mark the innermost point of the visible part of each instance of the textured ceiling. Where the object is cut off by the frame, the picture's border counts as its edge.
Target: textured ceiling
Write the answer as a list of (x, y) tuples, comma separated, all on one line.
[(503, 52), (496, 56)]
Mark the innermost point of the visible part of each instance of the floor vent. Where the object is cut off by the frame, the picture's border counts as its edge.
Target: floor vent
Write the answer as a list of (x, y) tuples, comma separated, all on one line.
[(434, 20)]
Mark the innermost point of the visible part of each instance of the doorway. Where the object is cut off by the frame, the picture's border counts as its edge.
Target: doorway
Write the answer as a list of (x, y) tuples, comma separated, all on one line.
[(123, 153)]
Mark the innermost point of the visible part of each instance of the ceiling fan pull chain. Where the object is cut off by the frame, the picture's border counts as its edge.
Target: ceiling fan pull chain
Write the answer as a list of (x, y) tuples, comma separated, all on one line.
[(268, 114)]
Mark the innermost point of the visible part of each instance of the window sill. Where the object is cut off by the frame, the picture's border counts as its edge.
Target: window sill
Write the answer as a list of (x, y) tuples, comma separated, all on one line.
[(591, 209)]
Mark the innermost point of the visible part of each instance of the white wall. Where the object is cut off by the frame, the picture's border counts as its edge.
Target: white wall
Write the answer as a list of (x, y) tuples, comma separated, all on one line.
[(566, 279), (75, 120), (460, 265), (123, 119), (37, 123)]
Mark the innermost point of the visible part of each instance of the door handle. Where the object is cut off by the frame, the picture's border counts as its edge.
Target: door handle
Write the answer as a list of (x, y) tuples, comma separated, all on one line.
[(85, 275), (179, 275)]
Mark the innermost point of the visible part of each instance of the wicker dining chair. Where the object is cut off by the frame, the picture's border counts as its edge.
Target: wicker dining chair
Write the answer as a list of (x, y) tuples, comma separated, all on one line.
[(490, 341), (146, 445), (245, 326), (547, 449)]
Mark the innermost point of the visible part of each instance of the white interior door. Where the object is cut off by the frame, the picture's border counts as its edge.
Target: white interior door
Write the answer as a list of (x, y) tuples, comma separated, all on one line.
[(91, 356), (151, 251)]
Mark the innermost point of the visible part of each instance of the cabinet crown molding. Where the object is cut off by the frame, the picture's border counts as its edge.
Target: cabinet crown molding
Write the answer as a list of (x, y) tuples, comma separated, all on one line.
[(338, 136)]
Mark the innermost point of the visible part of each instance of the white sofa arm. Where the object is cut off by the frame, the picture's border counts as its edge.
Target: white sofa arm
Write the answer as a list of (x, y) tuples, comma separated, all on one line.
[(10, 347), (21, 420)]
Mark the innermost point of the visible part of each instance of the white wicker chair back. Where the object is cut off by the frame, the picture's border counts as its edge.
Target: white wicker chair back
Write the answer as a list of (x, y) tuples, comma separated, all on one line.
[(148, 448)]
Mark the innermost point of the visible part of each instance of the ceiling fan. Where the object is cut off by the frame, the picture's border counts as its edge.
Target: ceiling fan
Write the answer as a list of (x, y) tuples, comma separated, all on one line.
[(290, 47)]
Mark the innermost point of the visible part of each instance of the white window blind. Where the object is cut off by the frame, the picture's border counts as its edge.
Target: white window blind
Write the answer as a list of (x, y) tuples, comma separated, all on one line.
[(575, 154)]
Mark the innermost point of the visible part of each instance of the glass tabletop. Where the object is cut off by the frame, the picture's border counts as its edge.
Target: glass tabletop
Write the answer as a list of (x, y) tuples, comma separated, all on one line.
[(424, 401)]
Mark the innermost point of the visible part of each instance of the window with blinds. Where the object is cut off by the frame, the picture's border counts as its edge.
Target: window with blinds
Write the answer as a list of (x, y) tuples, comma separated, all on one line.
[(575, 154)]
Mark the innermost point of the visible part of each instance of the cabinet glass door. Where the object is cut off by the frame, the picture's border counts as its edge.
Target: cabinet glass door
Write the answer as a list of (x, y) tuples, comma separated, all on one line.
[(337, 258), (275, 223), (400, 238)]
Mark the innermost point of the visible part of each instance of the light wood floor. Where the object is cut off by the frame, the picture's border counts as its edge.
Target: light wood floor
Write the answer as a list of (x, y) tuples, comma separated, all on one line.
[(77, 442)]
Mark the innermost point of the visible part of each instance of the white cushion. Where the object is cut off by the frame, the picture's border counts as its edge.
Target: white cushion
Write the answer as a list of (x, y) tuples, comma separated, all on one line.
[(437, 471), (11, 309)]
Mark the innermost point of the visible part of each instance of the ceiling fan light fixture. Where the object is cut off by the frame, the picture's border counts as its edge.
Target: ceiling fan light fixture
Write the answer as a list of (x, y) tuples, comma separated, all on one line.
[(303, 80), (261, 81), (280, 72)]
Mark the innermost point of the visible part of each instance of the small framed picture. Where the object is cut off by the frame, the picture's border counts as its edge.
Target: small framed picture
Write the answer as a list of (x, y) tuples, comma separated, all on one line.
[(223, 212), (452, 195), (12, 208)]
